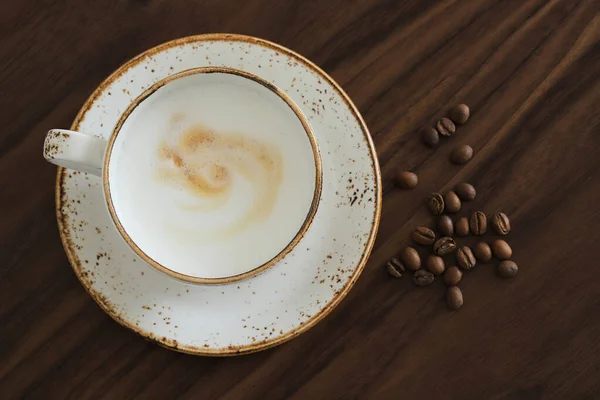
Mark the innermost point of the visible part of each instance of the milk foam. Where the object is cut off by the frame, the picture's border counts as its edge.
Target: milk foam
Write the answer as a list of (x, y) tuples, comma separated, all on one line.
[(206, 164), (212, 175)]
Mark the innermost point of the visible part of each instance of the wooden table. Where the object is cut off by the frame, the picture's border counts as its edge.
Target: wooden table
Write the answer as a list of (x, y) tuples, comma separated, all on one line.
[(530, 70)]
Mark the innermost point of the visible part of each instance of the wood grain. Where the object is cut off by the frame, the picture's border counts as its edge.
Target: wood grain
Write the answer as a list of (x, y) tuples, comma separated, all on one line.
[(530, 70)]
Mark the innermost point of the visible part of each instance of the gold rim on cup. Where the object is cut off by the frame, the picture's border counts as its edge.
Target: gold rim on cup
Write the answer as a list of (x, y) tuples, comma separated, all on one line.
[(309, 216)]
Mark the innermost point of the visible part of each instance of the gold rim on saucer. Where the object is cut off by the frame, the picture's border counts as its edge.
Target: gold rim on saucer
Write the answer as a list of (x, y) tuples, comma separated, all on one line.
[(106, 305)]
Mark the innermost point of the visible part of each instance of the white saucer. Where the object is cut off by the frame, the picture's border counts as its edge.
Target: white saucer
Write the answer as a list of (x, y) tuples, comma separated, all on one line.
[(268, 309)]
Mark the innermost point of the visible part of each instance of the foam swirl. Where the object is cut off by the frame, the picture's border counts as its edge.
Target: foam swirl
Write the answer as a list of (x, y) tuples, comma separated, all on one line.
[(207, 165)]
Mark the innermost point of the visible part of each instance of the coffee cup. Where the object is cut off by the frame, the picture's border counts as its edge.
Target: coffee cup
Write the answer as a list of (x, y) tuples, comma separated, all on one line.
[(211, 175)]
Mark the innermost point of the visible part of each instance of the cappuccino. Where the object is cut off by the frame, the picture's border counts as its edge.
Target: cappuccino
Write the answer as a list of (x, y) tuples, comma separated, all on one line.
[(213, 175)]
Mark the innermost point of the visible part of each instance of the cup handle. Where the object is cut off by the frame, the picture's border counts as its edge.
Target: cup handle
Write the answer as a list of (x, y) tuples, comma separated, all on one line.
[(75, 150)]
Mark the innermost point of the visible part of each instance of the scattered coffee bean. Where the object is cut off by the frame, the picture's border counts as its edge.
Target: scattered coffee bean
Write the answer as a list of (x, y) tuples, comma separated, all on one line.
[(410, 258), (451, 202), (446, 226), (430, 136), (507, 269), (443, 246), (445, 127), (478, 223), (461, 154), (406, 180), (465, 191), (395, 268), (483, 252), (454, 298), (460, 114), (423, 235), (501, 249), (436, 203), (435, 265), (462, 227), (465, 258), (452, 276), (423, 278), (500, 223)]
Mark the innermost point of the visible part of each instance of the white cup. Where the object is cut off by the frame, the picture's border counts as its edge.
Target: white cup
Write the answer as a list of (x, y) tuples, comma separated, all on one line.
[(211, 176)]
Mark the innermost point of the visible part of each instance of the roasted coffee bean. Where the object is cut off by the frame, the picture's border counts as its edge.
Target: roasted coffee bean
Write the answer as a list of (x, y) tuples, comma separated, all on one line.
[(430, 136), (500, 223), (501, 249), (423, 278), (445, 127), (451, 202), (461, 154), (395, 268), (465, 191), (423, 235), (446, 226), (410, 258), (452, 276), (507, 269), (443, 246), (406, 180), (483, 252), (435, 265), (465, 258), (436, 203), (478, 223), (460, 114), (462, 227), (454, 298)]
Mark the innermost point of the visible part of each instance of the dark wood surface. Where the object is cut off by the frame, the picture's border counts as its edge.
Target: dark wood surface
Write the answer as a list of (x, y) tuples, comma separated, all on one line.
[(530, 70)]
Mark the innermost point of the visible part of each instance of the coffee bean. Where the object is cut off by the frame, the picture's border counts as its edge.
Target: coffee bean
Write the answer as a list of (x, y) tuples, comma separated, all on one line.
[(478, 223), (410, 258), (483, 252), (395, 268), (465, 258), (445, 127), (501, 249), (452, 276), (423, 278), (460, 114), (462, 227), (507, 269), (443, 246), (451, 202), (430, 136), (406, 180), (461, 154), (454, 298), (435, 265), (465, 191), (446, 226), (436, 203), (500, 223), (423, 235)]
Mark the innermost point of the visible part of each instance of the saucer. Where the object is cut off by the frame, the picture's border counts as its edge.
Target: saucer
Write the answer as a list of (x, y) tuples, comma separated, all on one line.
[(285, 300)]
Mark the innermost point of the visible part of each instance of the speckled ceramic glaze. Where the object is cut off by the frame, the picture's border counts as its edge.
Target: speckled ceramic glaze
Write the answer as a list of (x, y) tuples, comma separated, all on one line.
[(267, 309)]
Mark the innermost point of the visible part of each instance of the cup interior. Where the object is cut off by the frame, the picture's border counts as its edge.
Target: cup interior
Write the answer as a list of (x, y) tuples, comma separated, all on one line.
[(212, 175)]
